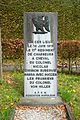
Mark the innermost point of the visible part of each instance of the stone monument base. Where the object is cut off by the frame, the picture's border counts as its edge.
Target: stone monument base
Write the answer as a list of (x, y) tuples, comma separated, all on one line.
[(40, 101), (41, 109)]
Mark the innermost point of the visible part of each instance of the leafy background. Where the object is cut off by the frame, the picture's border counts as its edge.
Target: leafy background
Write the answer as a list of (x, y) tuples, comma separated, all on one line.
[(12, 11)]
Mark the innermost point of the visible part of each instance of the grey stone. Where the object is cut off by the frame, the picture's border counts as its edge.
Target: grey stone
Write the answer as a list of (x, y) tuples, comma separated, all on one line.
[(40, 101), (40, 53)]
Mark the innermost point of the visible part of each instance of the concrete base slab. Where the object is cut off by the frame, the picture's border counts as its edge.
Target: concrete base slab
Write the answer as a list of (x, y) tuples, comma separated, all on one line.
[(40, 101)]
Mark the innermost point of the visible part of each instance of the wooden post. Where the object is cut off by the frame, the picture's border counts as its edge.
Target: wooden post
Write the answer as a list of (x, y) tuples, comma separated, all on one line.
[(0, 57)]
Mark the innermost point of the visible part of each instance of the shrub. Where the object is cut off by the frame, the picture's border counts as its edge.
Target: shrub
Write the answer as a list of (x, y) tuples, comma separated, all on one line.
[(69, 50), (13, 49)]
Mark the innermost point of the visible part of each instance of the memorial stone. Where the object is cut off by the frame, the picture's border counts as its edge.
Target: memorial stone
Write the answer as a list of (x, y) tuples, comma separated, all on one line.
[(40, 101), (40, 54)]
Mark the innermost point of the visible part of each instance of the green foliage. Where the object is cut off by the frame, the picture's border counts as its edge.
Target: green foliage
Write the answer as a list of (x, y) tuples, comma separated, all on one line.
[(10, 92), (66, 96), (11, 12), (68, 86)]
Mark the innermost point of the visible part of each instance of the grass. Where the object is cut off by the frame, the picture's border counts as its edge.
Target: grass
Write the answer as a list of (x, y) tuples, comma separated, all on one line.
[(69, 87), (12, 87), (13, 61), (10, 92)]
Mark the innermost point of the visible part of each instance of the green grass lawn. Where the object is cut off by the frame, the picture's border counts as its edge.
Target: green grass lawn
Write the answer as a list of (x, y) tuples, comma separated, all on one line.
[(69, 87), (12, 87)]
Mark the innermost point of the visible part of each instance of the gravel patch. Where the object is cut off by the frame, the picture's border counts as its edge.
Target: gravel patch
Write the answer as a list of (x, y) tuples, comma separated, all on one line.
[(40, 113)]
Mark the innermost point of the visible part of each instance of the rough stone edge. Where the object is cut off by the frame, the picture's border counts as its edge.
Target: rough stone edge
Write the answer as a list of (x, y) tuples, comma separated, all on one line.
[(69, 114), (40, 103), (13, 112)]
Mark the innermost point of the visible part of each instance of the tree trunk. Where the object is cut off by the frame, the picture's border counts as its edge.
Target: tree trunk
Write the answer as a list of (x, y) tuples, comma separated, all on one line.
[(62, 67), (69, 65), (76, 65), (0, 57)]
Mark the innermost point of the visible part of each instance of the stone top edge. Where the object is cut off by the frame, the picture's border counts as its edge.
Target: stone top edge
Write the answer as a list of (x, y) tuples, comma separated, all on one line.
[(41, 13)]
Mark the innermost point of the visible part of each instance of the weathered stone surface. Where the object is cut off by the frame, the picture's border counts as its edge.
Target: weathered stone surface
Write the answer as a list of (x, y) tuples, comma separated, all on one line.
[(40, 54), (40, 101)]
